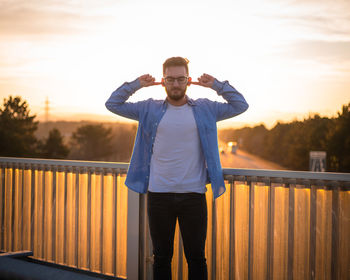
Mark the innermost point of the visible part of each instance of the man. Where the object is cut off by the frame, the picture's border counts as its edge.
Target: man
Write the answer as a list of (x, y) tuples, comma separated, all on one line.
[(175, 155)]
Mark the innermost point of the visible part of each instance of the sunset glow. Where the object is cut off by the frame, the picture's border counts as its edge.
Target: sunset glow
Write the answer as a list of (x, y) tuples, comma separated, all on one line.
[(289, 58)]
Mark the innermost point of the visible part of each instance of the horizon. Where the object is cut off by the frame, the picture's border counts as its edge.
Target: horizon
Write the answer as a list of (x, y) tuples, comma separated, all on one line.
[(112, 118)]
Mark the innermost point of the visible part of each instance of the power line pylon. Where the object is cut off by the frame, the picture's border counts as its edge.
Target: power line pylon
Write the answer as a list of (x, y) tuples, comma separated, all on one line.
[(47, 109)]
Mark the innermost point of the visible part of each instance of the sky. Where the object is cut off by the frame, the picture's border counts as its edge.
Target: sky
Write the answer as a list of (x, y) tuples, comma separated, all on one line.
[(289, 58)]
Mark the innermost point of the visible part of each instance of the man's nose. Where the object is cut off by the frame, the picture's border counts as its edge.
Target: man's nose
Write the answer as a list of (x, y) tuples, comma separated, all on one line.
[(176, 82)]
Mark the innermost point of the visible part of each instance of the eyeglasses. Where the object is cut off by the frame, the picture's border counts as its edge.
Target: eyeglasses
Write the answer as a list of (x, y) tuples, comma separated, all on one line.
[(180, 80)]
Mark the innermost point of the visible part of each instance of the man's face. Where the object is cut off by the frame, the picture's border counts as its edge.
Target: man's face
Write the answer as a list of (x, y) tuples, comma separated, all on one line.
[(175, 90)]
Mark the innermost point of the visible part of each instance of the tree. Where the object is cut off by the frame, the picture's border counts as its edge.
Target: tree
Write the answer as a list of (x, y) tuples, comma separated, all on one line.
[(338, 153), (289, 144), (53, 146), (91, 142), (17, 129), (123, 141)]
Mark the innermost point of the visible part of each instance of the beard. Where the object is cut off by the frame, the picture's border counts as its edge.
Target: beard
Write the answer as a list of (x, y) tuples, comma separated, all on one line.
[(176, 93)]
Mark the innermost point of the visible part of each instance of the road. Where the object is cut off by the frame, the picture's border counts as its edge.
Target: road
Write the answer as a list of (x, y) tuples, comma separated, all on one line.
[(243, 159)]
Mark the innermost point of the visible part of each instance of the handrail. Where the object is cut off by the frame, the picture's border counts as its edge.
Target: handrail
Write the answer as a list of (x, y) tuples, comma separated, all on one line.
[(58, 162), (288, 174)]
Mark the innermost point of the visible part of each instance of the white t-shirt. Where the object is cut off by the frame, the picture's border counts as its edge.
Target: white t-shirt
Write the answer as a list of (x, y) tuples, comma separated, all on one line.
[(177, 163)]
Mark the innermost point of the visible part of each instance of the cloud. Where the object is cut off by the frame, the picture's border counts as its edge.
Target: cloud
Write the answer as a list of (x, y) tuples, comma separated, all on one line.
[(48, 18), (315, 19), (318, 2), (320, 26), (321, 50), (330, 59)]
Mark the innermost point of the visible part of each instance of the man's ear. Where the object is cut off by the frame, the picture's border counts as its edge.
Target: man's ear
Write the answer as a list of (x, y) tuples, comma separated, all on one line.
[(163, 83), (189, 81)]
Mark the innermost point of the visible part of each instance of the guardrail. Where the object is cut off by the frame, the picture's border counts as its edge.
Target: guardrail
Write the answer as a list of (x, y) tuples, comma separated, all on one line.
[(268, 224)]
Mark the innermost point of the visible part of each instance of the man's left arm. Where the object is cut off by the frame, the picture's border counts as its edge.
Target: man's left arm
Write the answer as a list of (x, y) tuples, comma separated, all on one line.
[(236, 104)]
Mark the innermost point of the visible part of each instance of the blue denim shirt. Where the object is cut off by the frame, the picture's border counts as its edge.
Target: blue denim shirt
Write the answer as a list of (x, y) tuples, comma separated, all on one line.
[(149, 113)]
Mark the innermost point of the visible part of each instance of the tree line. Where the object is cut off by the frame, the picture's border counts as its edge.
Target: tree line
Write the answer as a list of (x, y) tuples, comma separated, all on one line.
[(92, 141), (289, 144)]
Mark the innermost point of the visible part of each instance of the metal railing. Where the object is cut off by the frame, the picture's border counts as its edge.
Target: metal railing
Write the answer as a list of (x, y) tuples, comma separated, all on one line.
[(268, 224)]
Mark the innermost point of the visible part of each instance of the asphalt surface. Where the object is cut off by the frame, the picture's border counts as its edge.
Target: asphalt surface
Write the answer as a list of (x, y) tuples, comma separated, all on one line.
[(243, 159)]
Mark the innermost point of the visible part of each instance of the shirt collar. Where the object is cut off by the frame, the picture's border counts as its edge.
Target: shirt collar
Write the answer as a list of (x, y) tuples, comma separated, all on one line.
[(190, 101)]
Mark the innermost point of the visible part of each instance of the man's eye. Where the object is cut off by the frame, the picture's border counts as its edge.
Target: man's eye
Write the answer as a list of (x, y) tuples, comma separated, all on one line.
[(181, 79)]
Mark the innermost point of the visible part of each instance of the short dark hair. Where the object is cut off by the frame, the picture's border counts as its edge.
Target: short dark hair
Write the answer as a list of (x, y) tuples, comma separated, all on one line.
[(176, 61)]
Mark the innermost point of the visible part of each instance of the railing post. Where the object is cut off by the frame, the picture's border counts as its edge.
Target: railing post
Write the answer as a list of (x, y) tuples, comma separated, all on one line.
[(133, 236), (335, 233), (291, 229), (213, 242), (250, 183), (270, 229), (232, 230), (143, 256), (2, 204), (313, 215)]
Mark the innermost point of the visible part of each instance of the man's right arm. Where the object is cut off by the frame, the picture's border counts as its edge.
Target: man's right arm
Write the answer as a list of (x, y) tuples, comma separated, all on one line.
[(117, 101)]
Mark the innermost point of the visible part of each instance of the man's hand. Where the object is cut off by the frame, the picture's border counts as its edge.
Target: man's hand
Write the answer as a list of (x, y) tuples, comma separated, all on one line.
[(147, 80), (205, 81)]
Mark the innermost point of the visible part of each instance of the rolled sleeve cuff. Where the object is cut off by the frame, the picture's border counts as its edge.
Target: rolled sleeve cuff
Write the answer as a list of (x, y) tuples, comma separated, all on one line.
[(217, 86), (135, 85)]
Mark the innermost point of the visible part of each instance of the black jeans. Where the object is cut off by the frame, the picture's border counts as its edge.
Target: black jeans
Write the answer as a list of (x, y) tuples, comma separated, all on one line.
[(191, 211)]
